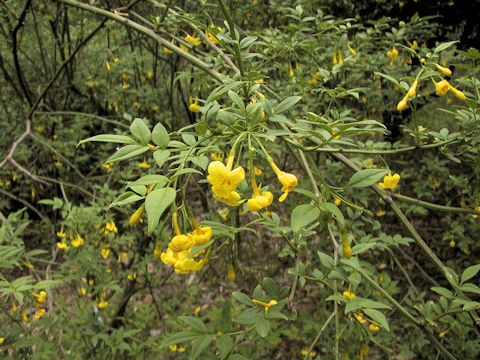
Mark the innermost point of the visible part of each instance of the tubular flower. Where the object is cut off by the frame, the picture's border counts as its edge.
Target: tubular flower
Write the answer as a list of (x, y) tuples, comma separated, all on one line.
[(458, 94), (170, 257), (442, 87), (258, 202), (290, 71), (413, 89), (41, 297), (187, 265), (352, 51), (224, 180), (180, 243), (194, 107), (230, 273), (444, 70), (77, 242), (402, 105), (192, 40), (289, 181), (393, 55), (265, 305), (232, 199), (390, 181), (201, 235), (347, 250), (62, 245), (135, 218), (110, 226), (373, 327)]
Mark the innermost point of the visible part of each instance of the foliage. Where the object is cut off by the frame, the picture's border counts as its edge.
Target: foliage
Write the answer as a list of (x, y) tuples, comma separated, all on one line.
[(236, 180)]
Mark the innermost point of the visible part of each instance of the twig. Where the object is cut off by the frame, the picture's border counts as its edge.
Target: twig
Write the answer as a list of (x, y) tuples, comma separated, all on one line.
[(24, 202)]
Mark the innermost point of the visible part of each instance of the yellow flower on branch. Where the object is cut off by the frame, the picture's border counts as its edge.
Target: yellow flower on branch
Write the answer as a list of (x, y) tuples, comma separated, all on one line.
[(223, 179), (390, 181), (444, 70), (289, 181), (78, 241), (373, 327), (144, 165), (194, 107), (347, 250), (192, 40), (201, 235), (110, 226), (352, 51), (136, 216), (265, 305), (230, 273), (105, 252), (62, 245), (41, 297), (258, 202), (442, 87)]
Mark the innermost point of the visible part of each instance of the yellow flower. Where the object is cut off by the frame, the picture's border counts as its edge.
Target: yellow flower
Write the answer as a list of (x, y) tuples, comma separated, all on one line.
[(170, 257), (393, 55), (231, 199), (347, 250), (289, 181), (352, 51), (187, 265), (180, 243), (413, 89), (172, 347), (41, 297), (305, 352), (107, 64), (83, 291), (212, 37), (77, 242), (337, 202), (167, 50), (102, 304), (194, 107), (230, 273), (381, 213), (125, 86), (444, 70), (132, 277), (61, 234), (201, 235), (184, 48), (373, 327), (458, 94), (216, 157), (14, 307), (452, 243), (155, 108), (105, 252), (144, 165), (136, 216), (442, 87), (2, 340), (181, 349), (360, 318), (349, 295), (257, 171), (109, 167), (443, 333), (25, 317), (197, 310), (39, 314), (223, 179), (62, 245), (390, 181), (116, 60), (258, 202), (265, 305), (334, 60), (403, 104), (414, 45), (290, 71), (192, 40), (110, 226)]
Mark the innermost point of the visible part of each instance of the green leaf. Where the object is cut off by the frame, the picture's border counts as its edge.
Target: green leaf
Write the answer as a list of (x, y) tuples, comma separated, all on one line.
[(469, 287), (362, 303), (224, 345), (325, 259), (195, 323), (121, 139), (161, 156), (156, 203), (242, 298), (178, 338), (366, 177), (127, 152), (236, 100), (262, 326), (140, 130), (442, 291), (389, 78), (470, 272), (333, 209), (304, 215), (378, 317), (444, 46), (149, 180), (126, 198), (160, 136), (286, 104), (184, 171), (224, 322), (247, 317), (237, 357)]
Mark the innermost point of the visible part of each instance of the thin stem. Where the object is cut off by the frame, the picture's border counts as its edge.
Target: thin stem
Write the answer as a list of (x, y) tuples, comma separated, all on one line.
[(318, 336), (432, 206)]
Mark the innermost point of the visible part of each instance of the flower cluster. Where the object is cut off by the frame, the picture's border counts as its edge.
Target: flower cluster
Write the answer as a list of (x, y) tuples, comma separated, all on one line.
[(179, 249), (224, 183), (393, 55), (75, 242)]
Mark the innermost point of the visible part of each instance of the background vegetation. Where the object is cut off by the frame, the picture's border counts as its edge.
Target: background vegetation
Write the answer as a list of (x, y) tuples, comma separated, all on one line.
[(365, 113)]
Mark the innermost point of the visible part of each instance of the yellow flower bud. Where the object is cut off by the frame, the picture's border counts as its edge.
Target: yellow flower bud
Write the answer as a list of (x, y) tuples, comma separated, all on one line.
[(135, 218), (230, 273), (402, 105), (458, 94), (347, 250), (445, 71), (442, 87), (413, 89)]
